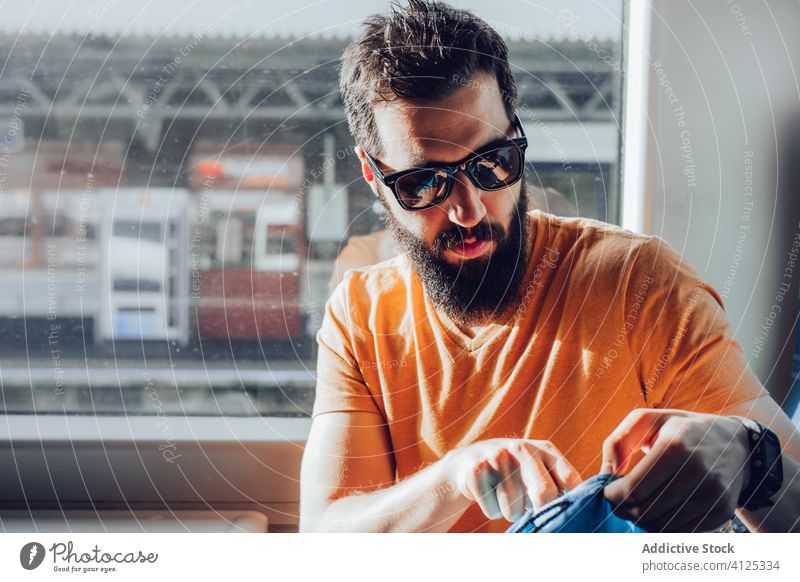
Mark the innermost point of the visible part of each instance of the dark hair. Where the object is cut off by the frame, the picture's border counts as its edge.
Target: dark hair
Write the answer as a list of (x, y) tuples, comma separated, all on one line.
[(420, 53)]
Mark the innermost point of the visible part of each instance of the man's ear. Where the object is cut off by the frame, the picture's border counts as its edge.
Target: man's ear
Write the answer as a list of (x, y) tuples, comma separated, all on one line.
[(366, 171)]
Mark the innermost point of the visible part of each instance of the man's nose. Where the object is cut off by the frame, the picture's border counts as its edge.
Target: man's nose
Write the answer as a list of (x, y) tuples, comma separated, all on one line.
[(465, 206)]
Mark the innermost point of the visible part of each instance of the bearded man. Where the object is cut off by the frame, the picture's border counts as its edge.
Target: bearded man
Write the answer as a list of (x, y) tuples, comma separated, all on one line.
[(509, 354)]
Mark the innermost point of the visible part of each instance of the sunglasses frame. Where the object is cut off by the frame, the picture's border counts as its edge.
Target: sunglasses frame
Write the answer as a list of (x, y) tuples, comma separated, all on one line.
[(390, 180)]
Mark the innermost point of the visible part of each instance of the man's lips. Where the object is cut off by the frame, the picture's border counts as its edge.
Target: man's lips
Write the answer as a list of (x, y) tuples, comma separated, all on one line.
[(470, 248)]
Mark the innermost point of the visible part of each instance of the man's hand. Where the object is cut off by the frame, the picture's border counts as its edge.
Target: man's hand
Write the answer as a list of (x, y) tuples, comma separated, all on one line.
[(692, 473), (508, 476)]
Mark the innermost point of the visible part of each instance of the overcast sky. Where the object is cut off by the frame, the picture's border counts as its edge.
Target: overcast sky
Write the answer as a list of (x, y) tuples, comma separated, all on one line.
[(551, 19)]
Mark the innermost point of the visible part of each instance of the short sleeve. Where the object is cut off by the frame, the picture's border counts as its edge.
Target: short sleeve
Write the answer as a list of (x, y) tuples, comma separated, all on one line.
[(340, 384), (682, 343)]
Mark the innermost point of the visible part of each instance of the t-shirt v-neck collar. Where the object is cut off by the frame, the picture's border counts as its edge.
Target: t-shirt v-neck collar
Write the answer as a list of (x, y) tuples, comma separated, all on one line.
[(495, 328)]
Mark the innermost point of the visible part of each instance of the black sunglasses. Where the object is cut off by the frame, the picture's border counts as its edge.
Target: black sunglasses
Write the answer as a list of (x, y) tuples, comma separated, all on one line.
[(494, 167)]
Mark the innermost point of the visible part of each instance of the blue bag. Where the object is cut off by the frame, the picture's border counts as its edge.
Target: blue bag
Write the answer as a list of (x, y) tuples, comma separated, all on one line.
[(584, 509)]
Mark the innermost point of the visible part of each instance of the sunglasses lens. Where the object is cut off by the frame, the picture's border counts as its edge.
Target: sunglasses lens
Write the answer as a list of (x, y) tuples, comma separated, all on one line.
[(422, 188), (497, 168)]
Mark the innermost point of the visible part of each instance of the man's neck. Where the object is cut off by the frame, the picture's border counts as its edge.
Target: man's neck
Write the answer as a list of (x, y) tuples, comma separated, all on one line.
[(473, 331), (476, 326)]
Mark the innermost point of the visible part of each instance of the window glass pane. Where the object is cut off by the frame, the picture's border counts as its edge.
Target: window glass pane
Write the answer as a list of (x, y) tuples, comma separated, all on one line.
[(179, 192)]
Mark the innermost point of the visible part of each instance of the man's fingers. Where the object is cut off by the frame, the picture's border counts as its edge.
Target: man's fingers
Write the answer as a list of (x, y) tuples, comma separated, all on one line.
[(481, 487), (563, 473), (647, 478), (539, 483), (520, 475), (676, 500), (510, 491), (637, 430), (697, 503)]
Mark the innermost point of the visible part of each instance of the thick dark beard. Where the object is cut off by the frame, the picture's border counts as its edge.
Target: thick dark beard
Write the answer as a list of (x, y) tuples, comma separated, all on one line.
[(479, 289)]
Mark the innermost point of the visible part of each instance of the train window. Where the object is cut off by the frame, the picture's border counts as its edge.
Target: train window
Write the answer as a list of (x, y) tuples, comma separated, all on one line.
[(183, 198), (281, 240), (137, 285), (14, 227), (138, 229), (60, 226)]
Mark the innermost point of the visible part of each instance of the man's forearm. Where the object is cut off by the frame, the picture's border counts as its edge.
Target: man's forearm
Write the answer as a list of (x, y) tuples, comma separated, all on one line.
[(428, 501), (784, 516)]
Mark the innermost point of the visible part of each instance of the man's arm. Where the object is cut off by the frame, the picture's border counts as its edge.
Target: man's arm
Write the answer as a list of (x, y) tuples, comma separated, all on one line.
[(348, 474), (347, 482), (694, 375), (695, 468), (784, 516)]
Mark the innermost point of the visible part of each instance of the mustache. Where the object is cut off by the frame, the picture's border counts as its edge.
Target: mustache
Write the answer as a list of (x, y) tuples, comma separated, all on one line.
[(483, 231)]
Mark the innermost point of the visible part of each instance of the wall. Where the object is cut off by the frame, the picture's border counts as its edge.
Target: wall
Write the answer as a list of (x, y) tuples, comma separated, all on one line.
[(723, 91)]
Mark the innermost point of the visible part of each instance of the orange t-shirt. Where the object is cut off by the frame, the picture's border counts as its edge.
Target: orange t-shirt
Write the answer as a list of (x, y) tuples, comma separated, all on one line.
[(609, 321)]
